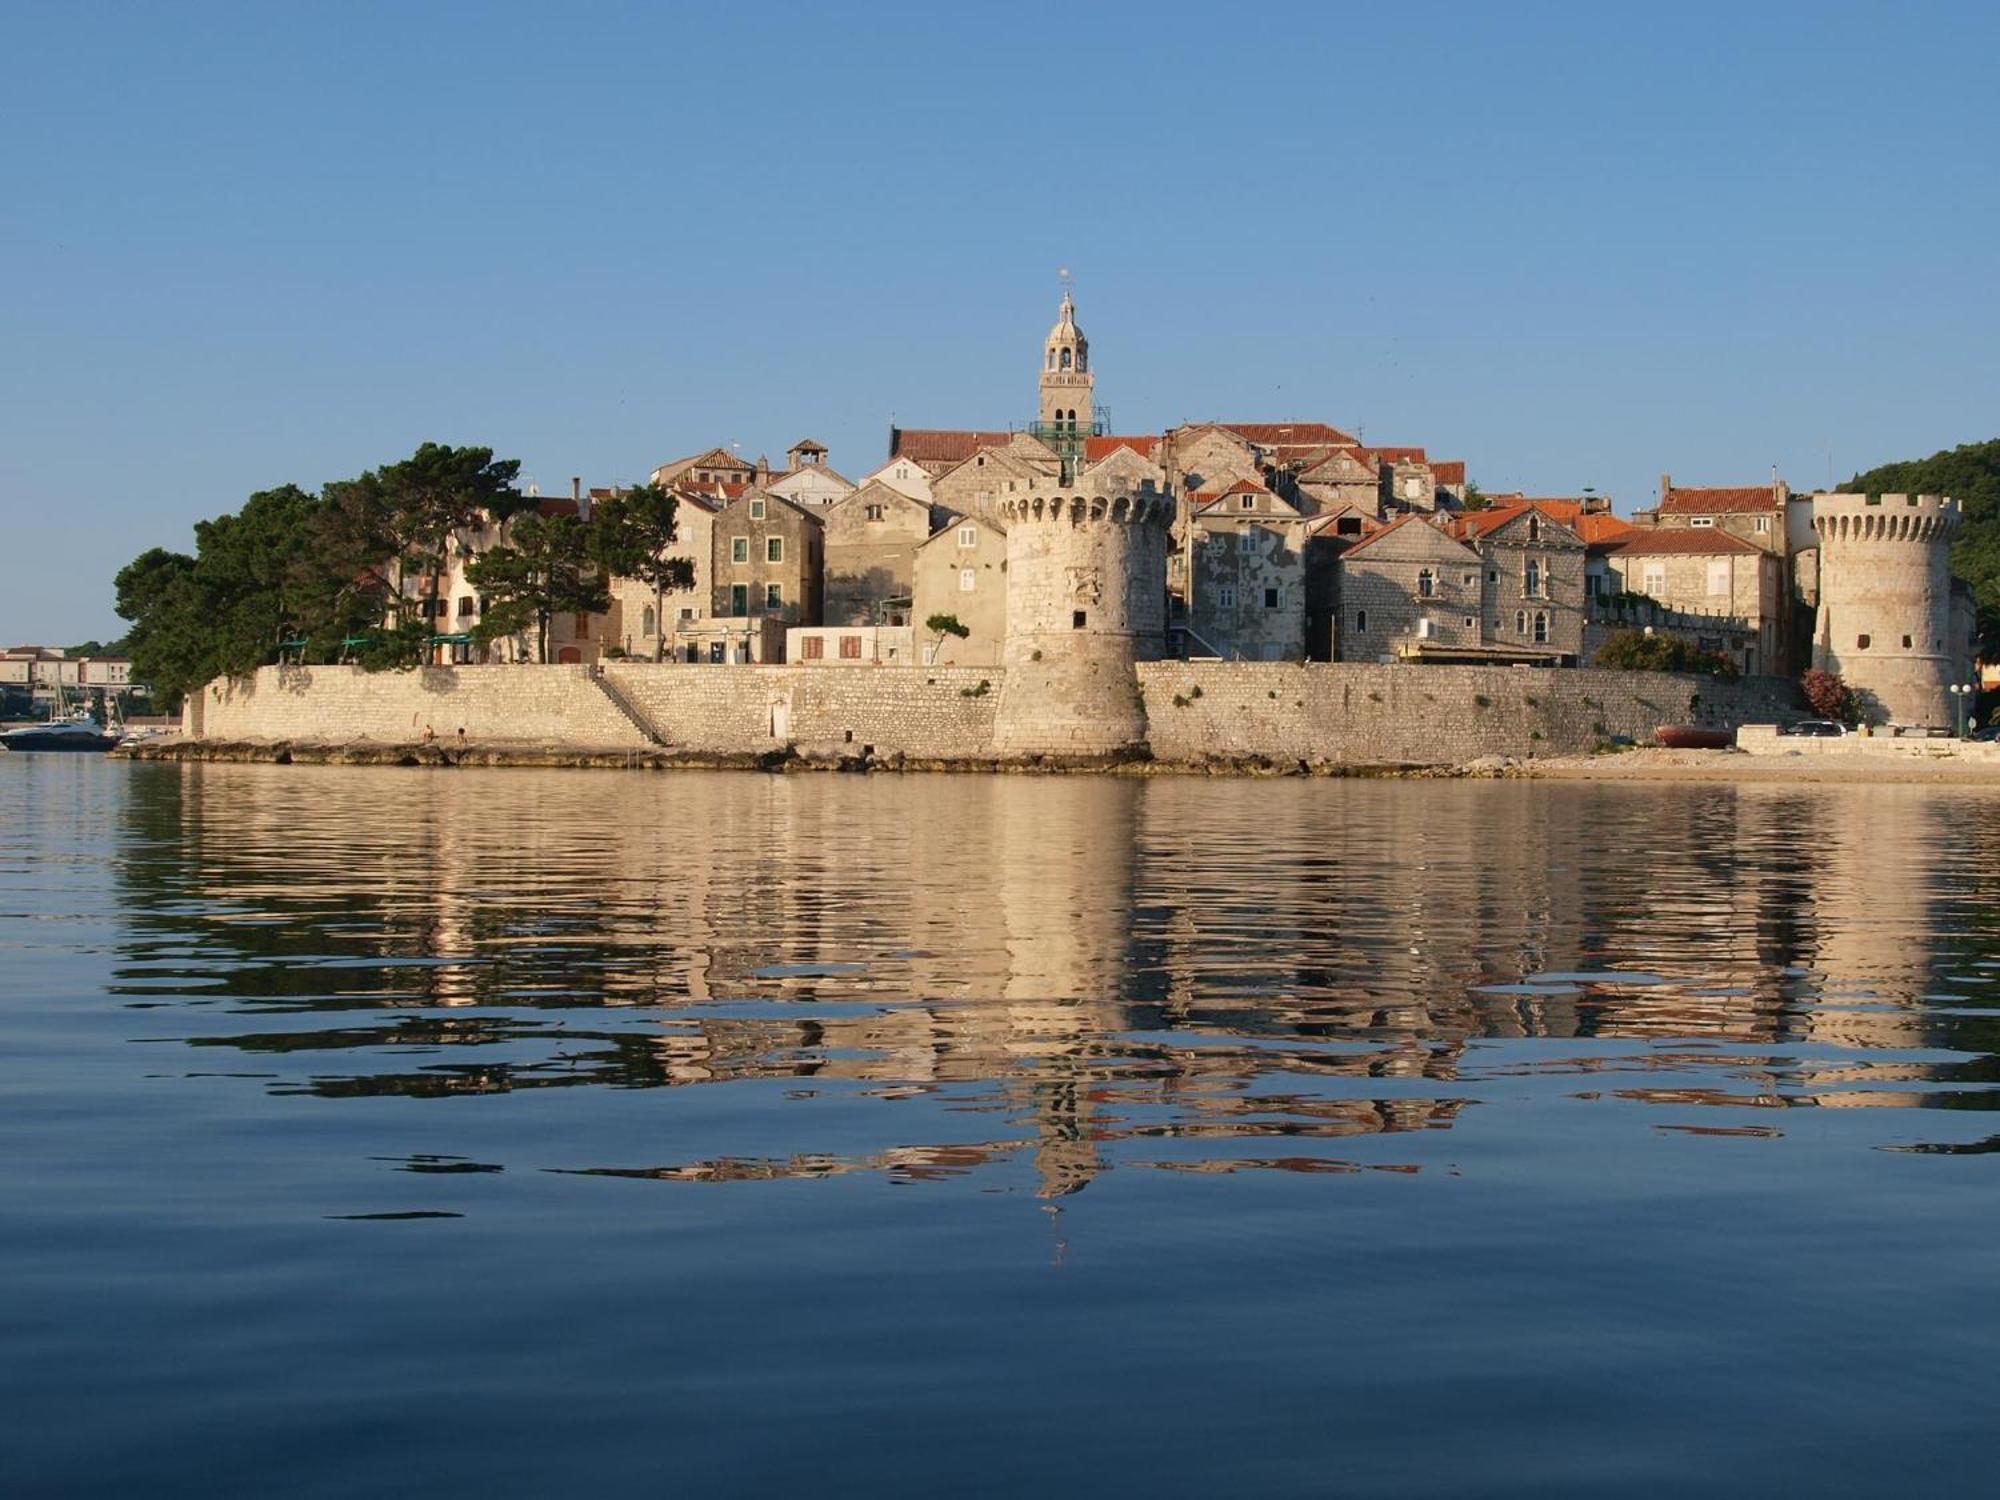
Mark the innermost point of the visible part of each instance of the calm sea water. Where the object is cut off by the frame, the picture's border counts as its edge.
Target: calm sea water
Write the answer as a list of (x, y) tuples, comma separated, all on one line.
[(382, 1131)]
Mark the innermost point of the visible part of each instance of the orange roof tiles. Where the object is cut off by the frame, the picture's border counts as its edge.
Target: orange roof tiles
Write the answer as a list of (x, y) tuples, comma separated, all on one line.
[(1098, 448), (1698, 541), (1726, 501), (940, 445)]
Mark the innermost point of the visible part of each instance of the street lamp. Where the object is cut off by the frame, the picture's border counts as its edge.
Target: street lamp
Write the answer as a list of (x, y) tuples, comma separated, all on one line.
[(1962, 694)]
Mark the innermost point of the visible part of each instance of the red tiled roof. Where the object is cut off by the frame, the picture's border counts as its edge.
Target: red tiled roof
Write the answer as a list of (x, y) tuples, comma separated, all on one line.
[(1600, 528), (1290, 434), (1413, 519), (553, 506), (1683, 501), (1697, 541), (1096, 449), (1477, 523), (1401, 455), (939, 445), (1448, 470)]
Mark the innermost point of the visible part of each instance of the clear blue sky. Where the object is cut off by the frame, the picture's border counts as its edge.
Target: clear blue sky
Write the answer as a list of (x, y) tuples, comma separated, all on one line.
[(1572, 244)]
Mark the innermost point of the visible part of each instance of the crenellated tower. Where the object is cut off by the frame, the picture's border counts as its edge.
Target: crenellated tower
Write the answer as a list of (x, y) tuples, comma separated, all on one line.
[(1885, 613), (1086, 599)]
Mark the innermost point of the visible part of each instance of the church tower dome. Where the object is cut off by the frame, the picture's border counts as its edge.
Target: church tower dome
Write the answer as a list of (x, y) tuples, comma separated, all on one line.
[(1066, 388)]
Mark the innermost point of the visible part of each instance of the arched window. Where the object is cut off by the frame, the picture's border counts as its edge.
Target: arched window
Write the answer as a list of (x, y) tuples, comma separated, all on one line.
[(1520, 622), (1052, 359), (1534, 528), (1532, 587), (1065, 359), (1080, 358), (1426, 583), (1541, 628), (652, 625), (1361, 622)]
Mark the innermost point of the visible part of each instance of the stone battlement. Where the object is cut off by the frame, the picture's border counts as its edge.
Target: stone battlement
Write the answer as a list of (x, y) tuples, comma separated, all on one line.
[(1841, 518)]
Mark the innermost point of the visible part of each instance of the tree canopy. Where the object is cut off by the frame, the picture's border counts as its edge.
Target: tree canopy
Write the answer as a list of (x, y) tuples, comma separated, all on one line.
[(542, 569)]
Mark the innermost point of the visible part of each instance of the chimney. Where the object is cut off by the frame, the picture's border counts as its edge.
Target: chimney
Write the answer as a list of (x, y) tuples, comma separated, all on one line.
[(576, 487), (763, 469), (1666, 483)]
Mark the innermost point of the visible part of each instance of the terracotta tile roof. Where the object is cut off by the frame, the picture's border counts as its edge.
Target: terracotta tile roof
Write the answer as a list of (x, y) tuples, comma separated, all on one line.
[(939, 445), (1401, 455), (1290, 434), (1448, 470), (1477, 523), (1397, 525), (1685, 501), (550, 506), (1698, 541), (1596, 530), (1096, 449)]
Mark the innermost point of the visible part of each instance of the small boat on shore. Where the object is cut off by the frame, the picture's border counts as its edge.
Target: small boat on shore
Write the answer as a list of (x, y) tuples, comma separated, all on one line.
[(72, 732), (1694, 737)]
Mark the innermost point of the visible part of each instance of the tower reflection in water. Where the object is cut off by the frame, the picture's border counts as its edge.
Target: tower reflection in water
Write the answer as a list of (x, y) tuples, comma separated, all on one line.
[(1073, 972)]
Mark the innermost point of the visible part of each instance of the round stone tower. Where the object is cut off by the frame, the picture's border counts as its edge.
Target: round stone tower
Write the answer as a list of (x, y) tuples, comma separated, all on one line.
[(1086, 598), (1885, 602)]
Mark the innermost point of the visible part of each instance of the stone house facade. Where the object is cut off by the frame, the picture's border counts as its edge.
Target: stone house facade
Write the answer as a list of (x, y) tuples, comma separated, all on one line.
[(962, 571), (767, 561), (872, 538), (1713, 586), (1533, 581), (1245, 559), (1410, 589), (631, 623)]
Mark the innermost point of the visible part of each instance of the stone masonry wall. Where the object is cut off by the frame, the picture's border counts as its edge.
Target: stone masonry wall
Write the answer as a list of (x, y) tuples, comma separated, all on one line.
[(535, 704), (944, 712), (1331, 713), (1366, 714)]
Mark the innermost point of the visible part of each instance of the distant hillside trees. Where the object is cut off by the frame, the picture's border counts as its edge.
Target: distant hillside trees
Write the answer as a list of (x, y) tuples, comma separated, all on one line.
[(1971, 474)]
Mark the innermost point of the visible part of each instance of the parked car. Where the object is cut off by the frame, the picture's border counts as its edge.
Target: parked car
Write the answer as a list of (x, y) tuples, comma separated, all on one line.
[(1817, 729), (1990, 732)]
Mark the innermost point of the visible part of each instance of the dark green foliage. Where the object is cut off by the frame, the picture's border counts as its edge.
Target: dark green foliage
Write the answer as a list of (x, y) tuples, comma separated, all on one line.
[(545, 567), (1635, 651), (1970, 474), (631, 533)]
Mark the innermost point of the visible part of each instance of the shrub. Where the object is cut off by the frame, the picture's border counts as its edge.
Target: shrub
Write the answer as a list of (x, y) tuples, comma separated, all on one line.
[(1829, 697), (1636, 651)]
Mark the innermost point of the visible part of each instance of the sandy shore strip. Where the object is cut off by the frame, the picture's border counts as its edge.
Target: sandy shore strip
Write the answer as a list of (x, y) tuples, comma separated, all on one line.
[(1735, 766)]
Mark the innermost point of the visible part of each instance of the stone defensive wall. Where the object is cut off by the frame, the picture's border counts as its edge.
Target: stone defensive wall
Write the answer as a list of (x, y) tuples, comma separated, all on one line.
[(1372, 714), (1315, 715)]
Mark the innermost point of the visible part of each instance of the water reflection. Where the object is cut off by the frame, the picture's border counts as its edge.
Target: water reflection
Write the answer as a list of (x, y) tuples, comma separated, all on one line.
[(1070, 973)]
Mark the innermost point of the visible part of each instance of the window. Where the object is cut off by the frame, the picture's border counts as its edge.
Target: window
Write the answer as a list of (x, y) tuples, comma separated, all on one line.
[(1906, 643), (1077, 619), (1534, 528), (582, 627), (716, 650), (1520, 622), (967, 580), (1468, 622), (1347, 526), (1270, 598), (774, 596), (1064, 358), (1246, 542), (1655, 579), (850, 648), (1718, 575), (1427, 583), (1701, 521), (813, 648), (774, 549), (1861, 643), (1426, 628), (1361, 622), (968, 536), (739, 549), (874, 513), (1531, 583), (651, 625), (1248, 502), (1763, 523), (1494, 576), (1471, 579), (756, 510), (1413, 488), (1225, 596), (467, 607), (739, 599), (1541, 628)]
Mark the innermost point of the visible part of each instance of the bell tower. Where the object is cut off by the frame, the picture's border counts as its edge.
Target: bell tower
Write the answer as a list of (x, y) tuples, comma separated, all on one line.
[(1066, 379)]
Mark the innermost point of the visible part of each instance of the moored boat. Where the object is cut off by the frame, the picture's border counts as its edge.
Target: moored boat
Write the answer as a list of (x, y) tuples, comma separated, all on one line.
[(73, 732), (1694, 737)]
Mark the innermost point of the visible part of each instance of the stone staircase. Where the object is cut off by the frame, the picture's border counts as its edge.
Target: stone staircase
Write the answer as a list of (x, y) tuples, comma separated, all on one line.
[(627, 707)]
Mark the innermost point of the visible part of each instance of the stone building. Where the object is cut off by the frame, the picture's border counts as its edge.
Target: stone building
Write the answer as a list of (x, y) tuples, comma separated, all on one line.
[(961, 571), (632, 623), (1886, 621), (1533, 588), (904, 474), (872, 538), (1706, 584), (1245, 564), (1408, 591), (717, 471), (767, 560), (807, 480)]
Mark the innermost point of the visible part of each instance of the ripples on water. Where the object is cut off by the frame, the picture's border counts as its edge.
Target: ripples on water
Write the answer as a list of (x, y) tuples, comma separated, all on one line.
[(1600, 1066)]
